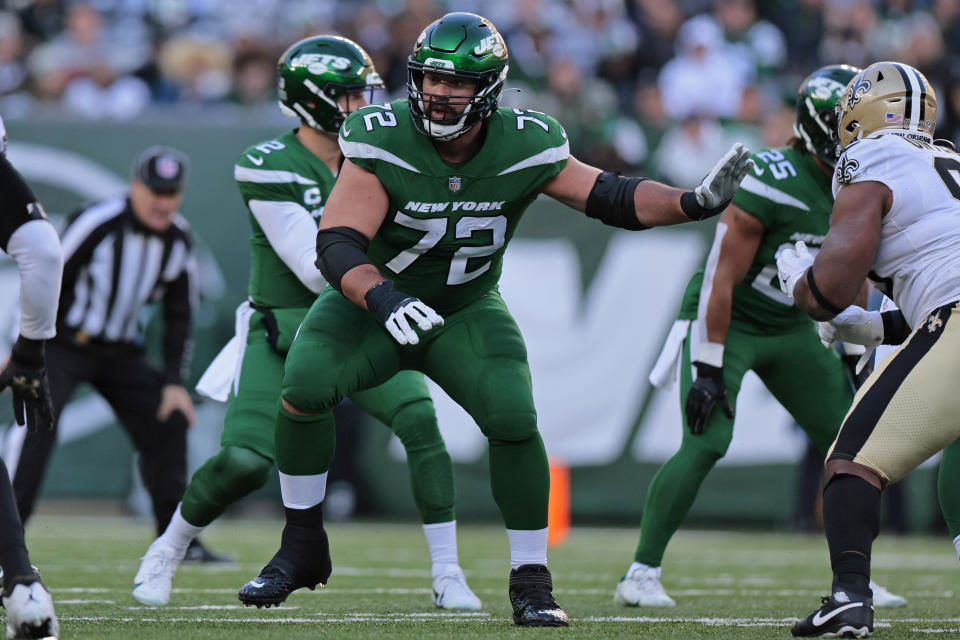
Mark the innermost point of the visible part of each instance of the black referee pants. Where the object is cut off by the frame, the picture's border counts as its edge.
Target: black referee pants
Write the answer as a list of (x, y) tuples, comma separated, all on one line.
[(122, 375)]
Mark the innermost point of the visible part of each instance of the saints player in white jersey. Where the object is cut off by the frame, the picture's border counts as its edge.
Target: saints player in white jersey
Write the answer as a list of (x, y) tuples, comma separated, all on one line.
[(28, 237), (896, 219)]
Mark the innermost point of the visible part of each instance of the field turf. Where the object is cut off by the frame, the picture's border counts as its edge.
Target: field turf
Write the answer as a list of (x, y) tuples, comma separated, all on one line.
[(727, 584)]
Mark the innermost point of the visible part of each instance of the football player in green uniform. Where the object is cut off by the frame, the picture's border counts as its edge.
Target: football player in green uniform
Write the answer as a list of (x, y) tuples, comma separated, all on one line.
[(285, 183), (737, 319), (412, 241)]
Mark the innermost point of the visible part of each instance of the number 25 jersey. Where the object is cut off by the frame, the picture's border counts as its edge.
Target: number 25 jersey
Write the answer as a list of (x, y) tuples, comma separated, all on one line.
[(448, 224)]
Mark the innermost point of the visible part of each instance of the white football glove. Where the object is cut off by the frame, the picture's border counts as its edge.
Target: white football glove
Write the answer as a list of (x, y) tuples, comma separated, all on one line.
[(791, 265), (857, 326), (414, 309), (722, 182)]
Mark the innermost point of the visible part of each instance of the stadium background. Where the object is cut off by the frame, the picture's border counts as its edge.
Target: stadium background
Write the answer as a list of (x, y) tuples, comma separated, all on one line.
[(651, 87)]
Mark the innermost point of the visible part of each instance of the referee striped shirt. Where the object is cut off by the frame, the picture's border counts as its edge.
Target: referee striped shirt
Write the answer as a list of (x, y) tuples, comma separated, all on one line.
[(113, 266)]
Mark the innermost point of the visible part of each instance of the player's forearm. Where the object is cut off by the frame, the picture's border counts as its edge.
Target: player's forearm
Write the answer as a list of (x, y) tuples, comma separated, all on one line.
[(358, 281), (658, 205), (719, 309)]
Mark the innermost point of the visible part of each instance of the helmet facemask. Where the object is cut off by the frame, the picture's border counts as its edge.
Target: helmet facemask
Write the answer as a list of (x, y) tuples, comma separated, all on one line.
[(468, 110)]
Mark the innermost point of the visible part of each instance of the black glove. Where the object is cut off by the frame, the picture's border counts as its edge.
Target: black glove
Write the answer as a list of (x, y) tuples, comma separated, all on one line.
[(26, 375), (707, 390)]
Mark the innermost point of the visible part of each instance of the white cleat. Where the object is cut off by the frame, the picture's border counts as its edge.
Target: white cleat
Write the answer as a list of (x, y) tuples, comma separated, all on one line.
[(30, 612), (450, 591), (154, 580), (641, 588), (883, 598)]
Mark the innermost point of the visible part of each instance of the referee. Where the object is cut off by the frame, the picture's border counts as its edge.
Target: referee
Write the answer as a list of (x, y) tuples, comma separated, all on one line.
[(121, 254)]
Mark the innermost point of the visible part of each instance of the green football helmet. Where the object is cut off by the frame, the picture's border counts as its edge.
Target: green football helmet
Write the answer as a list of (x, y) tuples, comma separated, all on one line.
[(315, 72), (816, 119), (466, 46)]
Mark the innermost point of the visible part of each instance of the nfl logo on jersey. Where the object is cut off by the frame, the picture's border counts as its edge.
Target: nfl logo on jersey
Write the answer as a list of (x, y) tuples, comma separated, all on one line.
[(454, 183)]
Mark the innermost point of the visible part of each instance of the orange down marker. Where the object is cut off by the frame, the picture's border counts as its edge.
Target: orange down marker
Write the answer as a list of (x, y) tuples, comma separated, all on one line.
[(558, 507)]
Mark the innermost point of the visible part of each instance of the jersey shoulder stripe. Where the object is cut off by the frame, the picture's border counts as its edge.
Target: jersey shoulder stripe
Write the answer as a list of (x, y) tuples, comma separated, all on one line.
[(751, 185), (547, 156), (269, 176), (355, 150)]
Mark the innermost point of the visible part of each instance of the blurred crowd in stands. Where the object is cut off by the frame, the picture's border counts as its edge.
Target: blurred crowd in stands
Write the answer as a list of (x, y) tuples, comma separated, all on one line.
[(650, 86)]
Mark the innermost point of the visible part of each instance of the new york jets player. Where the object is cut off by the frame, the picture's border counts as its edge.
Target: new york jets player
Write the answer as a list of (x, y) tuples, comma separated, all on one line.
[(412, 241), (896, 219), (284, 183), (736, 319)]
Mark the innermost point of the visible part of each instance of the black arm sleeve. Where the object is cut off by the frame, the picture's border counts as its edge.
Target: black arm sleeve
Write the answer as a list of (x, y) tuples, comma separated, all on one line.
[(340, 249), (17, 202), (177, 343), (611, 201)]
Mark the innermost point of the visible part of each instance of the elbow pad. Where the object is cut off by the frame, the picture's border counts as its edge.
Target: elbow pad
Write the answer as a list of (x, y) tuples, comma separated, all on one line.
[(340, 249), (611, 201)]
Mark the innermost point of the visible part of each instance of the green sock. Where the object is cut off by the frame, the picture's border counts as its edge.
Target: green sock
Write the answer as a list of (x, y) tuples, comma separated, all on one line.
[(520, 481), (305, 444), (222, 480), (671, 493), (429, 464)]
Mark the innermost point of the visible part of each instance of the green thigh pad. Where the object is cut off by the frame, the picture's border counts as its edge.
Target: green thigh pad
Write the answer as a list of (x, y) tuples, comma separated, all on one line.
[(384, 401), (252, 410), (339, 350), (479, 358), (808, 380)]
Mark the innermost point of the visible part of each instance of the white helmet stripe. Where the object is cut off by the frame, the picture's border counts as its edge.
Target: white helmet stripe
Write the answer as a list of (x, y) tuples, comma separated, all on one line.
[(913, 92)]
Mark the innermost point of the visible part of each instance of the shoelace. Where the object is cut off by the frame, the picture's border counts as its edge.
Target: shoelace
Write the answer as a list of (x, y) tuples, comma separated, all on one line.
[(161, 567), (277, 575), (537, 596)]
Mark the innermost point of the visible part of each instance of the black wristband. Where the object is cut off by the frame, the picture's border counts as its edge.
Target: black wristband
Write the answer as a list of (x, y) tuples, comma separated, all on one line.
[(818, 296), (705, 370), (895, 327), (692, 209), (29, 352), (383, 299)]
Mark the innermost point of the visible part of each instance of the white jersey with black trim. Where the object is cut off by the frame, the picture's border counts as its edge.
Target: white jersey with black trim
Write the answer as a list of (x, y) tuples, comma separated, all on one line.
[(918, 260)]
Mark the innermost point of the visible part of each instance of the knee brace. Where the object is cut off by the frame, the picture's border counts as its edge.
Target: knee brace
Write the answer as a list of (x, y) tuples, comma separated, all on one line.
[(241, 469), (416, 426)]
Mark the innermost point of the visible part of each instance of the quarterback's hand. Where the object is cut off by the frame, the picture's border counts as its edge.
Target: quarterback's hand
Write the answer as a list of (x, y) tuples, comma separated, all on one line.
[(791, 265), (26, 375), (396, 310), (707, 390), (720, 185), (175, 397)]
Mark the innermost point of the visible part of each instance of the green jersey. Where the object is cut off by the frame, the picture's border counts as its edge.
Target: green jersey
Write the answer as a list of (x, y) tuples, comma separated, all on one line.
[(790, 195), (280, 179), (448, 224)]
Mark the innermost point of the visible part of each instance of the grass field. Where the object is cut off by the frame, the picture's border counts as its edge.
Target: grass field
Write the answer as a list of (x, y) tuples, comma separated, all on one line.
[(727, 585)]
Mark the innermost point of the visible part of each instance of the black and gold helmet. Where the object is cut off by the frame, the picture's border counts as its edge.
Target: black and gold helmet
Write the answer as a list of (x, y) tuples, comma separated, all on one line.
[(816, 117), (887, 96)]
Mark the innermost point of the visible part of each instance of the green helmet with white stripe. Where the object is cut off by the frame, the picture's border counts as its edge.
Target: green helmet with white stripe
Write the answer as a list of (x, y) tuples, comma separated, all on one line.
[(816, 120), (316, 72), (462, 45)]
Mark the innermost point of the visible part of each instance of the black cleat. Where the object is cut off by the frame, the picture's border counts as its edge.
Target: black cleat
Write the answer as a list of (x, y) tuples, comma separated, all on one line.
[(275, 582), (843, 615), (531, 594), (198, 552)]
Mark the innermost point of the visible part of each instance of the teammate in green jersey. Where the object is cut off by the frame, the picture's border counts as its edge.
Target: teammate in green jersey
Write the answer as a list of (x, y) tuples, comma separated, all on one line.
[(736, 319), (412, 241), (285, 183)]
